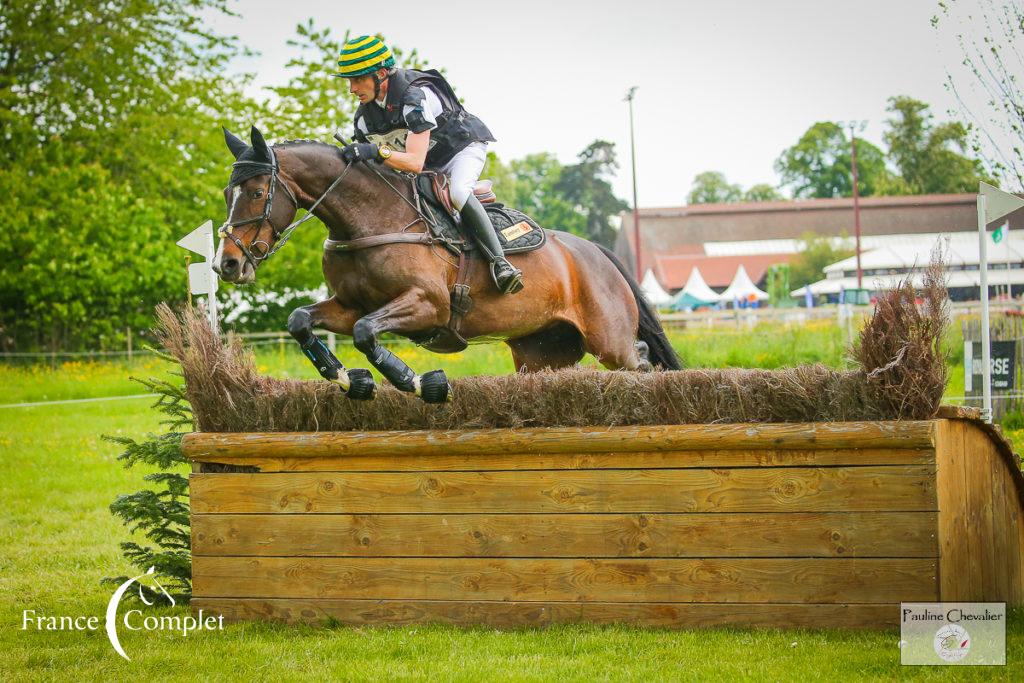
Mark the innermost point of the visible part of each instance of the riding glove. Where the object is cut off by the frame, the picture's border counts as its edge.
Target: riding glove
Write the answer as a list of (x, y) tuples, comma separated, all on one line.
[(361, 151)]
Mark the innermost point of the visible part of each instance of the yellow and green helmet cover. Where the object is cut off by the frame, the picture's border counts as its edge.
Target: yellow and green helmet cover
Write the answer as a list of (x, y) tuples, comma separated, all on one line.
[(363, 55)]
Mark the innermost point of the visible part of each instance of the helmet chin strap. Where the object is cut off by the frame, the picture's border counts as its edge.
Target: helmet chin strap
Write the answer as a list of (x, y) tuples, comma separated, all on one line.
[(377, 80)]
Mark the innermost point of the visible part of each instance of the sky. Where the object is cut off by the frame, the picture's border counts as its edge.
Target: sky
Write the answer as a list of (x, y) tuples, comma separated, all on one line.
[(723, 85)]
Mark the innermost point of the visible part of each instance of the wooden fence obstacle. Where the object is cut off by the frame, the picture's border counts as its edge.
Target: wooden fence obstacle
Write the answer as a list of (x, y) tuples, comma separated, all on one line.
[(776, 525)]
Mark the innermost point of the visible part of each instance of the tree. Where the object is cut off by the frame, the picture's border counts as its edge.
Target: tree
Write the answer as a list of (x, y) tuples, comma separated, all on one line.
[(116, 105), (819, 165), (585, 187), (762, 192), (815, 252), (529, 184), (990, 35), (711, 187), (921, 150)]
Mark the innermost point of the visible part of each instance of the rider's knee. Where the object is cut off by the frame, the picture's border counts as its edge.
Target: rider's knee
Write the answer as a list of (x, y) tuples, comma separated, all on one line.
[(460, 194)]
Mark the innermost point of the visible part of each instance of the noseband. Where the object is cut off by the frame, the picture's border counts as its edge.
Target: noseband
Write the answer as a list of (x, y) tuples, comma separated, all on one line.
[(226, 231)]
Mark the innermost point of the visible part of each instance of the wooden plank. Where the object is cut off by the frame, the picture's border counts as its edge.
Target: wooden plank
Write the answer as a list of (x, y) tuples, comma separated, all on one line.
[(1000, 524), (584, 580), (817, 435), (1019, 516), (825, 489), (580, 461), (1014, 547), (954, 550), (978, 484), (502, 614), (835, 534)]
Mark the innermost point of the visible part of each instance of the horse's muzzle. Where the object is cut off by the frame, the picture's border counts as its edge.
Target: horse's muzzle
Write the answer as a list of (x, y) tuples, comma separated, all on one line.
[(231, 269)]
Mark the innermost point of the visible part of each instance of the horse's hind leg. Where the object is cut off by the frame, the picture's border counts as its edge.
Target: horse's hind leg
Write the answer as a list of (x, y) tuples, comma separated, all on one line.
[(613, 342), (410, 312), (357, 383), (559, 346)]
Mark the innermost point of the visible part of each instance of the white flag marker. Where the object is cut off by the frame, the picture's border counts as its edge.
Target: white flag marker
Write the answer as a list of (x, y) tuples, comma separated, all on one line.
[(993, 204), (201, 278)]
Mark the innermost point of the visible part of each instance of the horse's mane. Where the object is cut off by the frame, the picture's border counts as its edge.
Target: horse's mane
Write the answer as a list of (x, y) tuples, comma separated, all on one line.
[(305, 141)]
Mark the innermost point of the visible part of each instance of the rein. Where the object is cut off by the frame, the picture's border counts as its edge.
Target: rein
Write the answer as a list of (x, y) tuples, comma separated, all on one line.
[(401, 237)]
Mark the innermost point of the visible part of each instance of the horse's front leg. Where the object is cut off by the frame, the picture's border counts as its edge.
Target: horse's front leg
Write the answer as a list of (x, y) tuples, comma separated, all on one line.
[(413, 311), (357, 383)]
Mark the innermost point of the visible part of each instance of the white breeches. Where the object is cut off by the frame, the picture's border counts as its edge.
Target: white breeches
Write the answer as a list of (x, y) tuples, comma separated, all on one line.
[(465, 169)]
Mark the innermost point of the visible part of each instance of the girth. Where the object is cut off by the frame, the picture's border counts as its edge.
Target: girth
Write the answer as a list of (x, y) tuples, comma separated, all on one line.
[(379, 241)]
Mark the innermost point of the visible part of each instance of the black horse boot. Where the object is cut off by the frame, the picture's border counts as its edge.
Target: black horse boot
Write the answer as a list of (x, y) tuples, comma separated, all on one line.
[(507, 277)]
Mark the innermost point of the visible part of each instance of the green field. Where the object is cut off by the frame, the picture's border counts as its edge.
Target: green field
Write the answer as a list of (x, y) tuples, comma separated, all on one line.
[(57, 540)]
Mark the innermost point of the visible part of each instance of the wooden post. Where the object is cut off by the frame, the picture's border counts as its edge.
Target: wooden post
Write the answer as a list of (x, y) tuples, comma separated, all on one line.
[(188, 287)]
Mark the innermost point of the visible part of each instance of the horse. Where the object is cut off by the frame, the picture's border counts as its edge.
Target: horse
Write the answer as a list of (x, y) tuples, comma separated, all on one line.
[(395, 277)]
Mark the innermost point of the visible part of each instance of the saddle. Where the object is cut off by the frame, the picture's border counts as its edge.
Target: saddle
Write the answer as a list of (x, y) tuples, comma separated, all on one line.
[(516, 231), (440, 185)]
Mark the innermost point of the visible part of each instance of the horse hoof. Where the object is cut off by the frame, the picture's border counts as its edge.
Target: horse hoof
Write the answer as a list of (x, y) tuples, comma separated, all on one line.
[(362, 387), (434, 387)]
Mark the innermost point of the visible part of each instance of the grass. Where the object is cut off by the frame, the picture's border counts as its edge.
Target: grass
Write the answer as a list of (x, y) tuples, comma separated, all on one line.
[(57, 540)]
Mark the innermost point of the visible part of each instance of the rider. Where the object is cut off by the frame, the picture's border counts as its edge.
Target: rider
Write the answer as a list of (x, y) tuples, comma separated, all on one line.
[(411, 120)]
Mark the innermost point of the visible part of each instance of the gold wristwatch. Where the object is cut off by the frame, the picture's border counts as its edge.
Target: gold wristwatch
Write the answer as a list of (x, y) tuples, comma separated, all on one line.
[(385, 151)]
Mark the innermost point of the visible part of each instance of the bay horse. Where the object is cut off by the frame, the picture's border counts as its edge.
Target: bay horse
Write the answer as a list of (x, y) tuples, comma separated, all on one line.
[(395, 278)]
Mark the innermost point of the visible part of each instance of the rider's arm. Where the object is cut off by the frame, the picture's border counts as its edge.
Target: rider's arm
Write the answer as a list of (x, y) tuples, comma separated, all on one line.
[(420, 109), (415, 154)]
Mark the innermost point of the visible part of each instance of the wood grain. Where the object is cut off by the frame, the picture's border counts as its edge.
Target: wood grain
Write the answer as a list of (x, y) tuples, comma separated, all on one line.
[(978, 460), (825, 489), (818, 435), (440, 462), (871, 580), (510, 614), (834, 534), (954, 552)]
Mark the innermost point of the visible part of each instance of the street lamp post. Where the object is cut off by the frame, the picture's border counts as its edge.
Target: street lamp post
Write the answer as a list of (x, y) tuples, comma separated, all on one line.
[(636, 210), (856, 200)]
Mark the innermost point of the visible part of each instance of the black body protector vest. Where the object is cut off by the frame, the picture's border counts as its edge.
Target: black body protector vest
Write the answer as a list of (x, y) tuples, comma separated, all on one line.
[(456, 127)]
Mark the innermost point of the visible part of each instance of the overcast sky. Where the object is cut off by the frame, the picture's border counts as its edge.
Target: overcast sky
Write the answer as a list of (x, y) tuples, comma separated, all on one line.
[(723, 85)]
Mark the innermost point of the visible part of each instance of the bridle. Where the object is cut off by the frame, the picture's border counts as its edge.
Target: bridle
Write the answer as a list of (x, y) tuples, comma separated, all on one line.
[(281, 236)]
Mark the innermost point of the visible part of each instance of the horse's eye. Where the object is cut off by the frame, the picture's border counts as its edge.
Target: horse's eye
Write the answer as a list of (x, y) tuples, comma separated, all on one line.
[(257, 194)]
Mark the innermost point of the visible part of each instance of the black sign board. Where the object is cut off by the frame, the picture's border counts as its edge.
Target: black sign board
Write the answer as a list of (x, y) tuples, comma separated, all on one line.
[(1003, 358)]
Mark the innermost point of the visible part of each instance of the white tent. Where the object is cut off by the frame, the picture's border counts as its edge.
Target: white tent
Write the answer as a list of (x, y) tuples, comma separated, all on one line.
[(655, 293), (697, 288), (742, 287)]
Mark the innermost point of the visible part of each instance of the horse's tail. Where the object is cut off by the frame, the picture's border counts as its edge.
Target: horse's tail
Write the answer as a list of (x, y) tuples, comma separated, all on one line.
[(660, 351)]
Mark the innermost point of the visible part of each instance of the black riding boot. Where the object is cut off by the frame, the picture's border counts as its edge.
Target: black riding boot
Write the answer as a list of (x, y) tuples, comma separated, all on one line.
[(507, 277)]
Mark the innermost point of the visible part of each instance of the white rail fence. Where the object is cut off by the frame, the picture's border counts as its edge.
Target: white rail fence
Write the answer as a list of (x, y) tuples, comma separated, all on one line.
[(844, 315)]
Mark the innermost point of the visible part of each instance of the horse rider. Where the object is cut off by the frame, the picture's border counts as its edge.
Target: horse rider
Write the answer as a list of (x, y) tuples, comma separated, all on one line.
[(411, 120)]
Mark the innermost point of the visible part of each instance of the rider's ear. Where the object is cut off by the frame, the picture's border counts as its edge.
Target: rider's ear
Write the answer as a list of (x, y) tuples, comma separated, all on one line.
[(235, 143), (259, 145)]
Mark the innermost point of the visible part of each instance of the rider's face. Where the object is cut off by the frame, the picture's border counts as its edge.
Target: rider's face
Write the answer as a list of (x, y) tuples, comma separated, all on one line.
[(362, 87)]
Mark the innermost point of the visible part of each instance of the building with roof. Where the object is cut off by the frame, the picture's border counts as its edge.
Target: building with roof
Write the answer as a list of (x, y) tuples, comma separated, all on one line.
[(888, 261), (719, 238)]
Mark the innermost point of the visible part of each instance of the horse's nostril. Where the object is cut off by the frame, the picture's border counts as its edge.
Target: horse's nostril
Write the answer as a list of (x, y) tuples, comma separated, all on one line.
[(229, 266)]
